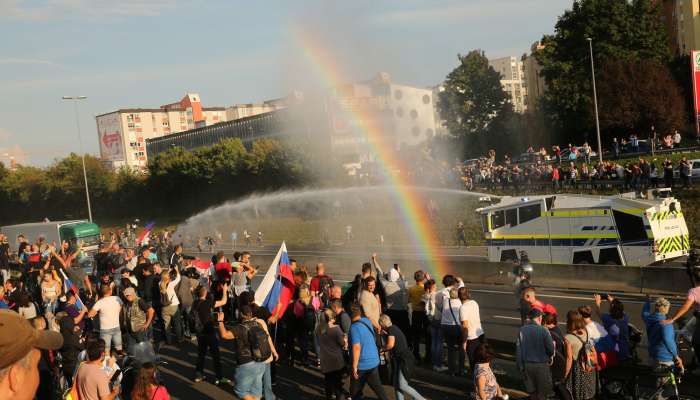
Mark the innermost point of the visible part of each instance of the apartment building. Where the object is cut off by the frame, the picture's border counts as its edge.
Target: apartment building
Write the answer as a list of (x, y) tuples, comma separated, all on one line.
[(512, 72)]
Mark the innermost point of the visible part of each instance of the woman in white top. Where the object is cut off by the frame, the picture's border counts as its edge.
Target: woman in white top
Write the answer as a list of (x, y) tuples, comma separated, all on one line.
[(472, 332), (170, 310), (452, 332), (26, 308), (50, 291)]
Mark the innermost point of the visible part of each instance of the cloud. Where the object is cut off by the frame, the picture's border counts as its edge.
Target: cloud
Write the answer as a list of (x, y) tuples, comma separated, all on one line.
[(30, 61), (82, 9), (449, 12)]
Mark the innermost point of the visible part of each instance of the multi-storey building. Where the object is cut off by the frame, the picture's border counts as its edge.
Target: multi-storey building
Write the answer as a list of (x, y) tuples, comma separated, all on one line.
[(122, 133), (534, 82), (238, 111), (512, 73)]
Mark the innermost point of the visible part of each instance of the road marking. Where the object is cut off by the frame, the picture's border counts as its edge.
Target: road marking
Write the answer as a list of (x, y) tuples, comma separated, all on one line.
[(514, 318)]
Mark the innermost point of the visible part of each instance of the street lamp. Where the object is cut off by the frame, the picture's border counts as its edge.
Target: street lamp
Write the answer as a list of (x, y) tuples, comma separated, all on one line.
[(80, 142), (595, 103)]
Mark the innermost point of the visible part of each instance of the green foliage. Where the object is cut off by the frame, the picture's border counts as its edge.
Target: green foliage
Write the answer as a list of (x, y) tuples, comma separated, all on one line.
[(473, 103), (620, 30), (176, 184)]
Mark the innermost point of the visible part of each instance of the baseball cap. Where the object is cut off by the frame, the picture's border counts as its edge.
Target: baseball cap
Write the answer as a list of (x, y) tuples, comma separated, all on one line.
[(534, 313), (129, 292), (18, 337)]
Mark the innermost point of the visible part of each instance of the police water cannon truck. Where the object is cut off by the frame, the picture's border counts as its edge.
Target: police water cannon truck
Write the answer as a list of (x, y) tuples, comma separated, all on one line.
[(577, 229)]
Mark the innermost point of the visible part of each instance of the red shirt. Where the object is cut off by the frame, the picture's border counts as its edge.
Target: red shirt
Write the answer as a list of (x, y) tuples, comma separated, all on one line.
[(223, 271), (315, 285)]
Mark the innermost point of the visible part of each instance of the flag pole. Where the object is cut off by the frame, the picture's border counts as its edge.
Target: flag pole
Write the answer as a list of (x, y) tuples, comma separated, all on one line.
[(77, 294)]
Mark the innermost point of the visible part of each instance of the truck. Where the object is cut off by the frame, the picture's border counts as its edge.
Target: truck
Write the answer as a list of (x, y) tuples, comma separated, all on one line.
[(76, 232), (576, 229)]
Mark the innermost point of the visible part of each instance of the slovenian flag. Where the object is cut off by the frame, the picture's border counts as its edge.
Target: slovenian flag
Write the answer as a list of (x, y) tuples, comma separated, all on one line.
[(277, 287), (145, 232), (69, 285)]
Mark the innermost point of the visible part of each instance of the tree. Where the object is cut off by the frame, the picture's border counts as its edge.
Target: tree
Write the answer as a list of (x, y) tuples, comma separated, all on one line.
[(636, 95), (473, 100), (620, 29)]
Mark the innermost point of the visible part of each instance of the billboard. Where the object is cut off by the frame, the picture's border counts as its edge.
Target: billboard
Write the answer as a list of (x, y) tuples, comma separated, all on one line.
[(109, 130), (695, 68)]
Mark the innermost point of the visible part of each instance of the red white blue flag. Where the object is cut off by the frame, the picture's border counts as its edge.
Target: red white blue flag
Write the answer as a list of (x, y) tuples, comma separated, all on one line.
[(146, 230), (277, 287)]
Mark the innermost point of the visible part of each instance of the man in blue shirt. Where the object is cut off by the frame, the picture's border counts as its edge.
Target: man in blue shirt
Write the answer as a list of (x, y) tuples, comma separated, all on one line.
[(662, 342), (365, 355), (533, 353)]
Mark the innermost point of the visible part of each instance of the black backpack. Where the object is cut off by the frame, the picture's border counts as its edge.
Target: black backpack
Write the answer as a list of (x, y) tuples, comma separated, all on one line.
[(325, 283), (195, 322), (256, 346)]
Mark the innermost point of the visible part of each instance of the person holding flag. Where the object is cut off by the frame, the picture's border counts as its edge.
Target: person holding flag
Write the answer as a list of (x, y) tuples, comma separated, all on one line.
[(142, 239), (277, 287)]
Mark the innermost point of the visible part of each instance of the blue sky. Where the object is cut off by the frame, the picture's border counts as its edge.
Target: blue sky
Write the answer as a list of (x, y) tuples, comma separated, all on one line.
[(131, 53)]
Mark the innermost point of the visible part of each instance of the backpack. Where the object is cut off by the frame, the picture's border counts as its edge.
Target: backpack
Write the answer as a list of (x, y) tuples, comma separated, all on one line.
[(195, 322), (325, 283), (256, 346), (587, 357)]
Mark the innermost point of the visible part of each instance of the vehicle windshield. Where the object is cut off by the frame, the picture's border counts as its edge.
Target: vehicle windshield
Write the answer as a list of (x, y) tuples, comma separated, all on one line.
[(89, 241)]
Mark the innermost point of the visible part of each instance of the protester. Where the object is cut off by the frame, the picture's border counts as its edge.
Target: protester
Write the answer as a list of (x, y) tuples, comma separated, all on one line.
[(394, 286), (662, 343), (72, 345), (692, 301), (371, 305), (91, 380), (402, 361), (616, 323), (333, 342), (109, 308), (485, 385), (419, 319), (138, 316), (21, 348), (534, 349), (470, 320), (207, 338), (253, 347), (558, 365), (321, 285), (452, 332), (581, 358), (170, 304), (342, 319), (364, 355), (147, 387)]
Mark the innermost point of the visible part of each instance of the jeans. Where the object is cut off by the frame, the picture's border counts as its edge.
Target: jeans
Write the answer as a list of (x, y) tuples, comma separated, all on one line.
[(249, 377), (401, 387), (208, 341), (267, 382), (333, 383), (455, 353), (538, 380), (184, 313), (436, 345), (111, 336), (370, 377), (419, 327), (134, 338), (171, 317)]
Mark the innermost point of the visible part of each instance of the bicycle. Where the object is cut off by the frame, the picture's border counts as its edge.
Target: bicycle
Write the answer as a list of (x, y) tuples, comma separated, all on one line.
[(624, 384)]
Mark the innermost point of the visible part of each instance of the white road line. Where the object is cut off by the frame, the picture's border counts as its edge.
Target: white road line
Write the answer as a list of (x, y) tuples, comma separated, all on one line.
[(553, 296)]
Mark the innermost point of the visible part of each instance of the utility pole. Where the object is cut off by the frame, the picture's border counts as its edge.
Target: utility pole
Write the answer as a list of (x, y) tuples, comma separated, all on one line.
[(80, 142)]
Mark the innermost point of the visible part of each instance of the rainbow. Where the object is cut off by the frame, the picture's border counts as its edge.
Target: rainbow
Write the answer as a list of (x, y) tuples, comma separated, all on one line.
[(406, 197)]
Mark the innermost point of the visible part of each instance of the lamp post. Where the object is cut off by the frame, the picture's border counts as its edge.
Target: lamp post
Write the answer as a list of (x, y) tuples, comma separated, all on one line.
[(595, 103), (80, 142)]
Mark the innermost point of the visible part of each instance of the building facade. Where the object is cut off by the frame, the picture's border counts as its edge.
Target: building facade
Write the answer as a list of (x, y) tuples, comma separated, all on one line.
[(238, 111), (122, 133), (512, 72), (534, 82), (342, 120)]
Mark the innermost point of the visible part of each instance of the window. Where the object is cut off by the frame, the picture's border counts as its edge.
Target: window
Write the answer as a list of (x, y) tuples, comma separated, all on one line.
[(485, 222), (512, 217), (549, 202), (528, 213), (498, 219), (130, 125), (630, 227)]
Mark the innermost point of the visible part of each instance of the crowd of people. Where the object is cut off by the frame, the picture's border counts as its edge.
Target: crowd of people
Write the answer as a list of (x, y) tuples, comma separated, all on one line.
[(571, 168), (373, 332)]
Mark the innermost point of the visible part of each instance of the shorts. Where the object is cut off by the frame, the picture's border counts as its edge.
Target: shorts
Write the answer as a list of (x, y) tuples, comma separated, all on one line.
[(249, 378)]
